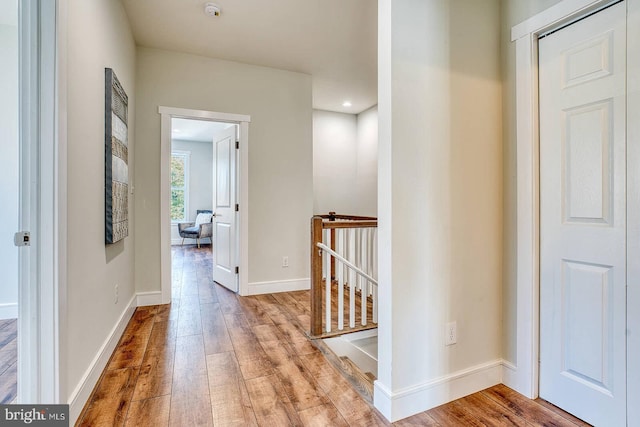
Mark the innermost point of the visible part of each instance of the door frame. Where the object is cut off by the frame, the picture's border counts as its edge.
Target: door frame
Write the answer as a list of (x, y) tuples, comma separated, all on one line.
[(523, 375), (242, 187), (42, 266)]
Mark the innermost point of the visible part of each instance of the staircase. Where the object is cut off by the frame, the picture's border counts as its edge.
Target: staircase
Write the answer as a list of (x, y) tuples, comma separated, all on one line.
[(344, 296), (354, 356), (358, 353), (344, 289)]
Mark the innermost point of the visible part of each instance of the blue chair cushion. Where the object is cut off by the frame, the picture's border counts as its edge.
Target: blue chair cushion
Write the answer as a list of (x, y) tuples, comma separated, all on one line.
[(191, 230)]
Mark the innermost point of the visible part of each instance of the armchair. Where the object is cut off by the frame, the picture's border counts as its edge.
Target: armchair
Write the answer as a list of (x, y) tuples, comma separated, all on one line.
[(201, 228)]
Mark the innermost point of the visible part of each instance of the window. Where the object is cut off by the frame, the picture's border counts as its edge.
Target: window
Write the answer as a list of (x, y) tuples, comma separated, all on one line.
[(179, 186)]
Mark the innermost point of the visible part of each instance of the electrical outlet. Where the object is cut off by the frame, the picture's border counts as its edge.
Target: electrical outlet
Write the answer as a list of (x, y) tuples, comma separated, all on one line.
[(116, 294), (285, 261), (450, 333)]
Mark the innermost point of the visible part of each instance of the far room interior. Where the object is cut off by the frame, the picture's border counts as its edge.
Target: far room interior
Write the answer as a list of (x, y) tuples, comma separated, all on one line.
[(192, 167)]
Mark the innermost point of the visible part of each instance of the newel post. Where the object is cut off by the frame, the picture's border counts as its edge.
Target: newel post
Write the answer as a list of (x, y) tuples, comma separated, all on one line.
[(316, 277)]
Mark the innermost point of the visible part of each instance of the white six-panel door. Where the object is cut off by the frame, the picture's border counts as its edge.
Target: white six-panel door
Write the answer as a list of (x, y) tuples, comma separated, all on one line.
[(224, 220), (582, 73)]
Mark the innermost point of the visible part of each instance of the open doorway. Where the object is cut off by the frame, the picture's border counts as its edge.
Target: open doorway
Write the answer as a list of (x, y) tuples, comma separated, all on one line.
[(9, 200), (203, 194), (192, 203), (192, 191), (209, 194)]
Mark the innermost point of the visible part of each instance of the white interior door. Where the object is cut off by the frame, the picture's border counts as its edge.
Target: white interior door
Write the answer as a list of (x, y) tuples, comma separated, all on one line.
[(583, 217), (224, 220)]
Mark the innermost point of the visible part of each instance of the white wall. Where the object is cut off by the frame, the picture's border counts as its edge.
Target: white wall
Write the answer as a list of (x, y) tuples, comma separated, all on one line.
[(280, 155), (440, 201), (335, 160), (9, 160), (98, 36), (367, 182), (345, 162), (200, 180), (513, 12)]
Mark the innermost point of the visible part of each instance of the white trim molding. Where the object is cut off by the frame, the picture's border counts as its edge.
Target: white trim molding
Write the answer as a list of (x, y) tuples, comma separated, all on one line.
[(167, 113), (82, 392), (421, 397), (148, 298), (42, 302), (523, 375), (290, 285)]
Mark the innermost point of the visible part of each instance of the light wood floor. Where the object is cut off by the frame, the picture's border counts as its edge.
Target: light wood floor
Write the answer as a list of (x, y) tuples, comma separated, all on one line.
[(8, 360), (213, 358)]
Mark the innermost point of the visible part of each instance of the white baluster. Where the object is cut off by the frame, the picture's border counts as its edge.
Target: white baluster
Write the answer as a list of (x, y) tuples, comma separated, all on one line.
[(375, 254), (352, 279), (374, 274), (374, 297), (368, 270), (345, 242), (364, 284), (328, 286), (325, 240), (340, 273), (363, 257)]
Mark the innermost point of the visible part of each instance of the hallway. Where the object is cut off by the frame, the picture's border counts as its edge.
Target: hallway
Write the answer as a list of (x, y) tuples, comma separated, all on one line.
[(213, 358)]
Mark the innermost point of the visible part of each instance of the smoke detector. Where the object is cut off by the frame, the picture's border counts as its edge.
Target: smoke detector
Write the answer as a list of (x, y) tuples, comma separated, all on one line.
[(211, 9)]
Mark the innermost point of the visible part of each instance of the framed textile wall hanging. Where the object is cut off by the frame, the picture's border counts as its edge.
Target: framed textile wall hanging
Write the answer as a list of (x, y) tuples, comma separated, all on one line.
[(116, 169)]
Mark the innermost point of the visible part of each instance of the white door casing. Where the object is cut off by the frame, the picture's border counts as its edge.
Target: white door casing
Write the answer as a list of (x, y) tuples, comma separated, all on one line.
[(42, 294), (224, 208), (583, 217)]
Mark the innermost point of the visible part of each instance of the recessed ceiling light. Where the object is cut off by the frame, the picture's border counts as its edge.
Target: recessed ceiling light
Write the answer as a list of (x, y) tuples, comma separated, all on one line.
[(346, 104)]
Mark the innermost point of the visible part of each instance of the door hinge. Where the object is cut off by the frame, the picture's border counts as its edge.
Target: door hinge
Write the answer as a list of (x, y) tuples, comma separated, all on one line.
[(237, 207), (237, 144), (22, 238), (237, 270)]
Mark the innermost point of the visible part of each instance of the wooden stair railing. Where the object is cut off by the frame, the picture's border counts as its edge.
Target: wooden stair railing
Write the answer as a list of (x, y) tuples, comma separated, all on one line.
[(343, 270)]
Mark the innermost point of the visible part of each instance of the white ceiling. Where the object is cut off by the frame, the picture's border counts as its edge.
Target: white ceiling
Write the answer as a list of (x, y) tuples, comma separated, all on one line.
[(333, 40), (195, 130)]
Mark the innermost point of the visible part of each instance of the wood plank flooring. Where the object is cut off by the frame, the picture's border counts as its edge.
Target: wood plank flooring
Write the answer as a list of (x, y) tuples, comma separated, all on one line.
[(212, 358), (8, 360)]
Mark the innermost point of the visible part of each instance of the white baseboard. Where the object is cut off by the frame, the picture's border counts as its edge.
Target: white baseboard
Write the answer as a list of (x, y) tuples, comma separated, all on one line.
[(149, 298), (510, 376), (9, 311), (83, 390), (412, 400), (258, 288)]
